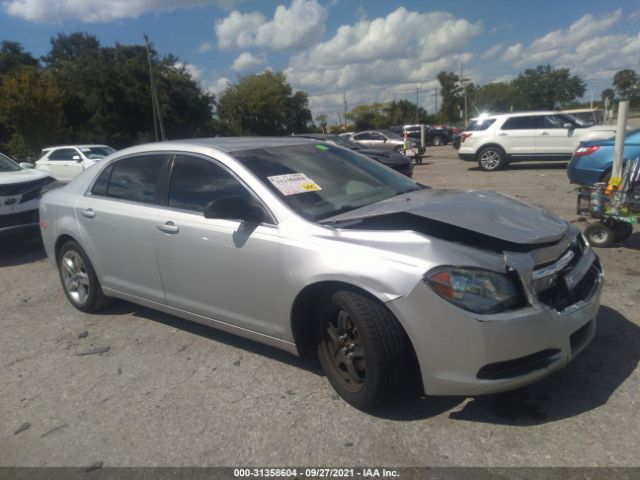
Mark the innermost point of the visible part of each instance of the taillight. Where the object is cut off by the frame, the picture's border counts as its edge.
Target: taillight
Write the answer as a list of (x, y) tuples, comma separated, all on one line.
[(464, 136), (584, 151)]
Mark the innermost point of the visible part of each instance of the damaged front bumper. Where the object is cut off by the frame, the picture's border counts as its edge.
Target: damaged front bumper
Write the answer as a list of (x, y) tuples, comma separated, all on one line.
[(462, 353)]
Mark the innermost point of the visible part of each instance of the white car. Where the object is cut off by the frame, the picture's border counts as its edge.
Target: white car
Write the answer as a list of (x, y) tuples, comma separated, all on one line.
[(495, 140), (20, 190), (64, 163)]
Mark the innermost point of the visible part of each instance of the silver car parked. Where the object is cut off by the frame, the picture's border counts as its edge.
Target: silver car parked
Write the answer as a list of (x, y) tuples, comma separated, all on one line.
[(310, 247)]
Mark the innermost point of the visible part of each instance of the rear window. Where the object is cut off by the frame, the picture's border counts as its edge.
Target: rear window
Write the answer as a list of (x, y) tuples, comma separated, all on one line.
[(480, 124)]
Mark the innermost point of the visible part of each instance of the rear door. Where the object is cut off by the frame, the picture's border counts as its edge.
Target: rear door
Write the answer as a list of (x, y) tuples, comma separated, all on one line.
[(226, 270), (117, 221), (517, 135)]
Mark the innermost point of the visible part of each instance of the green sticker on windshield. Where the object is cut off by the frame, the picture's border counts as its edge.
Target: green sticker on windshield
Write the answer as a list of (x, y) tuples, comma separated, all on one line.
[(322, 147)]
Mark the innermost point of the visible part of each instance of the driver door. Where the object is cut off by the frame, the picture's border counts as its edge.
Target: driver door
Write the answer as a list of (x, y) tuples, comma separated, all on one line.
[(225, 270)]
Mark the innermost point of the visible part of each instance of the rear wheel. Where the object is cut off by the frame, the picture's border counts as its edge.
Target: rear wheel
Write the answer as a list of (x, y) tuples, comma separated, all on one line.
[(599, 235), (491, 159), (362, 349), (79, 280)]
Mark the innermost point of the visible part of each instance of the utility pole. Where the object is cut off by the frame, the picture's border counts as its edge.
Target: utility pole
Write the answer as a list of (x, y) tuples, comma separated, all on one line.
[(417, 89), (157, 117), (344, 100), (435, 94), (463, 85)]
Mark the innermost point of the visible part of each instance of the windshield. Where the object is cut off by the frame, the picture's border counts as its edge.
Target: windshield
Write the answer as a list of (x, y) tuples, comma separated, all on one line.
[(96, 153), (321, 180), (8, 165), (343, 142)]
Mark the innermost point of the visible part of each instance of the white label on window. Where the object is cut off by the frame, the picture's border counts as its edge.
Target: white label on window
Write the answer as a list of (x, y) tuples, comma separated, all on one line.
[(85, 150), (294, 183)]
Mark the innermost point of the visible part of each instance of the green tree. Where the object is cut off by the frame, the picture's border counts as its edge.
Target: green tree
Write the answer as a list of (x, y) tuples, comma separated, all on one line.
[(368, 116), (30, 107), (13, 57), (607, 93), (403, 112), (492, 97), (451, 94), (322, 122), (107, 95), (264, 104), (544, 88), (627, 84)]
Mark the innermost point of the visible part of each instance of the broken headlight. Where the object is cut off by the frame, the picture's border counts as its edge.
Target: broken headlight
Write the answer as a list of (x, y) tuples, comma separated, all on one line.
[(478, 291)]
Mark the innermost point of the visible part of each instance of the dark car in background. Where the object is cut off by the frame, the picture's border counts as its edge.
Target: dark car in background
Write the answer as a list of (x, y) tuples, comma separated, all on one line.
[(392, 159), (435, 136)]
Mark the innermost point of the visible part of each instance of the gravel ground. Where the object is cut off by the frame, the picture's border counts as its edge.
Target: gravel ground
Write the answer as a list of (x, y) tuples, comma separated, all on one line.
[(171, 393)]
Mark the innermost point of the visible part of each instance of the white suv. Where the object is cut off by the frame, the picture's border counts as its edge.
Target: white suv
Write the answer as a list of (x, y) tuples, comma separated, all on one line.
[(495, 140), (64, 163)]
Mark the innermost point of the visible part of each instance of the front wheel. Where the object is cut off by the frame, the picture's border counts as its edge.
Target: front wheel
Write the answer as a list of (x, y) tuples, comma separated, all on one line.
[(599, 235), (363, 350), (79, 280), (491, 159)]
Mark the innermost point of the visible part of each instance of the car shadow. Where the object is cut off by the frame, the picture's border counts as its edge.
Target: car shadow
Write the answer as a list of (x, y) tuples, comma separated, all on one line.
[(584, 385), (549, 165), (632, 243), (121, 307), (21, 249)]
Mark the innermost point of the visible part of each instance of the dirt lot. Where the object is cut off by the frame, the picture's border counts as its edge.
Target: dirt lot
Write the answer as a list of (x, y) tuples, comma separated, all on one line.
[(168, 392)]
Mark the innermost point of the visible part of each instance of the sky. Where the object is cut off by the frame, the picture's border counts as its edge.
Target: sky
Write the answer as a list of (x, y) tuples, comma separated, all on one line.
[(364, 51)]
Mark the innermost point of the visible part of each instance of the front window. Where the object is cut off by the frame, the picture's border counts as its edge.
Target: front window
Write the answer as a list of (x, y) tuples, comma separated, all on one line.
[(320, 180), (8, 165)]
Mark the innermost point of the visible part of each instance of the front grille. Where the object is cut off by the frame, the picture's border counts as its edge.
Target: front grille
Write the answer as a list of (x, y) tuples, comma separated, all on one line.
[(518, 366), (24, 187), (549, 285), (22, 218)]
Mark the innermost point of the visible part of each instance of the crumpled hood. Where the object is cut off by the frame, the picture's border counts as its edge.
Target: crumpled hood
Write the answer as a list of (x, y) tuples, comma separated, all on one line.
[(485, 212), (19, 176)]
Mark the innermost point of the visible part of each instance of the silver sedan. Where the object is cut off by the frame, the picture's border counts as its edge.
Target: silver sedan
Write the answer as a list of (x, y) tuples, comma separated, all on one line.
[(316, 249)]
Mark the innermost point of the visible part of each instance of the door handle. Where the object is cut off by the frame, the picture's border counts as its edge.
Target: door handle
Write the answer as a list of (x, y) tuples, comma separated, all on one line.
[(88, 212), (168, 227), (544, 133), (502, 134)]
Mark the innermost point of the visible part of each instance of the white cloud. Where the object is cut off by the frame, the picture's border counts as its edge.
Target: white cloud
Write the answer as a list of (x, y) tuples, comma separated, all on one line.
[(512, 53), (491, 52), (91, 11), (195, 72), (298, 26), (377, 59), (217, 86), (246, 61), (558, 43)]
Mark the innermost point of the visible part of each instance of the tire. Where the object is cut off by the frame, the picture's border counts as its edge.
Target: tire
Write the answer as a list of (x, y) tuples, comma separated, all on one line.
[(491, 159), (437, 141), (621, 231), (363, 350), (79, 280), (599, 235)]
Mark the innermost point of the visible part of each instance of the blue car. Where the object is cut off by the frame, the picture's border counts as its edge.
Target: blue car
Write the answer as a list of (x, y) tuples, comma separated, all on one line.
[(592, 161)]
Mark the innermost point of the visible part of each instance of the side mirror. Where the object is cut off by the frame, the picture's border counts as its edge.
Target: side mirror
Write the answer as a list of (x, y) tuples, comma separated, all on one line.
[(234, 207), (76, 158), (26, 165)]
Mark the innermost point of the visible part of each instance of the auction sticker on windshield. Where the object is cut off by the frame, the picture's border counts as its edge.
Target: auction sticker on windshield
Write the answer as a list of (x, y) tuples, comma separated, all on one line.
[(294, 183)]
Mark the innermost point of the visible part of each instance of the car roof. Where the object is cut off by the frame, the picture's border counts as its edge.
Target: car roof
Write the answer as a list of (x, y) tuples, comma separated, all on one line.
[(521, 114), (74, 146)]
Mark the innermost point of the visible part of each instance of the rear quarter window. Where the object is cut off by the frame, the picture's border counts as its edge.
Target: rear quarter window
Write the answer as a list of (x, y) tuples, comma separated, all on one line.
[(479, 125)]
